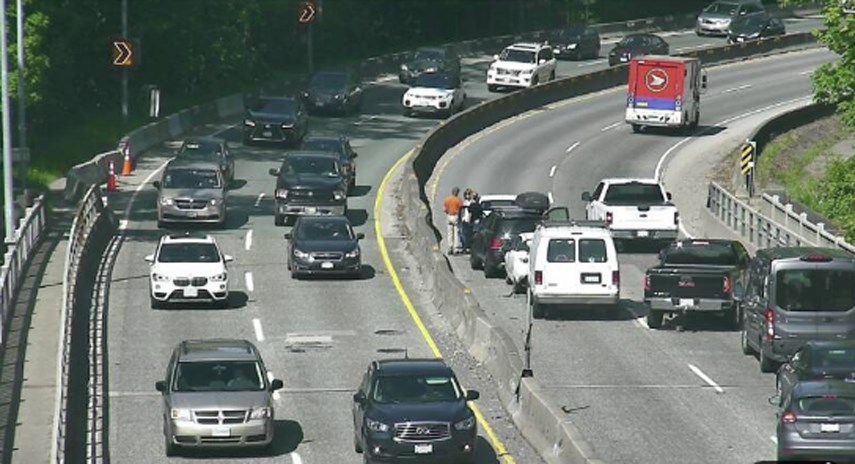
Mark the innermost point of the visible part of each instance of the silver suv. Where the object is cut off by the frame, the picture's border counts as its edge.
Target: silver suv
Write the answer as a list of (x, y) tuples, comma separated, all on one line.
[(716, 18), (191, 190), (217, 394)]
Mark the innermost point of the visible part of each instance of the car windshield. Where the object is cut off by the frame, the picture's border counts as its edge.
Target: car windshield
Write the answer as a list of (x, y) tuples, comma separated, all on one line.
[(188, 253), (275, 106), (722, 8), (324, 230), (826, 405), (833, 359), (749, 22), (634, 193), (429, 55), (815, 289), (313, 166), (518, 56), (218, 376), (416, 389), (572, 33), (200, 149), (321, 145), (632, 41), (714, 254), (435, 81), (191, 179), (329, 81)]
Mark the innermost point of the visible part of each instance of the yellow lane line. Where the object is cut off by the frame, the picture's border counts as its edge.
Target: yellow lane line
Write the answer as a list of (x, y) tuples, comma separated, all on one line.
[(393, 274)]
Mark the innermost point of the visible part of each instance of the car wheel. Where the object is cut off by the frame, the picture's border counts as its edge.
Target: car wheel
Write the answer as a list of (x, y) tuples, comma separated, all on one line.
[(508, 280), (168, 447), (222, 304), (474, 262), (747, 349), (767, 365), (161, 224), (552, 75), (156, 304), (538, 311), (356, 445), (654, 319), (492, 87), (491, 270), (294, 274), (636, 128), (535, 81), (518, 288)]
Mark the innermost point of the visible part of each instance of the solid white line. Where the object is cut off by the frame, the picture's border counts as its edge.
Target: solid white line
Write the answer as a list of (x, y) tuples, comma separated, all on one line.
[(706, 378), (611, 126), (806, 73), (774, 439), (248, 241), (250, 285), (737, 89), (259, 199), (551, 201), (552, 170), (572, 147), (259, 332), (295, 457), (270, 378), (593, 63)]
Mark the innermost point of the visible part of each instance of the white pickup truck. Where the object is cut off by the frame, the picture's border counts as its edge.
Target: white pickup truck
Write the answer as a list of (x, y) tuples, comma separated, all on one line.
[(634, 209)]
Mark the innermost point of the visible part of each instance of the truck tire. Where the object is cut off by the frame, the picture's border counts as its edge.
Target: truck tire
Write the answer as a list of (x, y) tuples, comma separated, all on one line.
[(636, 128), (767, 365), (654, 319)]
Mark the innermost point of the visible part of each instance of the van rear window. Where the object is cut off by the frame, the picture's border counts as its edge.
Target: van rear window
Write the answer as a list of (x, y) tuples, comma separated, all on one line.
[(561, 250), (815, 290), (592, 251)]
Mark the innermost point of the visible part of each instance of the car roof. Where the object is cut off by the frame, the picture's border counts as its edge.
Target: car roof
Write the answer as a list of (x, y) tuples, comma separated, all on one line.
[(426, 366), (516, 212), (203, 140), (823, 387), (311, 154), (194, 237), (564, 230), (530, 46), (323, 219), (797, 252), (218, 349), (277, 98), (193, 163), (432, 49), (681, 59), (640, 34), (627, 180), (498, 196)]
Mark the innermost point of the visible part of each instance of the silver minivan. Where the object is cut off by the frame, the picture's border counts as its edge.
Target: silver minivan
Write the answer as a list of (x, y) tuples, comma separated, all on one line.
[(217, 394), (191, 190), (794, 295), (715, 19)]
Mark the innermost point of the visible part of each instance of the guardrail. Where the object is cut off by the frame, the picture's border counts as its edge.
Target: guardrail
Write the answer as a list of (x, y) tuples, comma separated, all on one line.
[(542, 424), (16, 257), (93, 224)]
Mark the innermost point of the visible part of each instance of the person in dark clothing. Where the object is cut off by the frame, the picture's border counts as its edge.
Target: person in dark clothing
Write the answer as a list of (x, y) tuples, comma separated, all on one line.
[(476, 213)]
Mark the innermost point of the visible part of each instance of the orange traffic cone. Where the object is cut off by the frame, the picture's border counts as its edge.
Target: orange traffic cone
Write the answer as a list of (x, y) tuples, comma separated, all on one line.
[(111, 179), (126, 166)]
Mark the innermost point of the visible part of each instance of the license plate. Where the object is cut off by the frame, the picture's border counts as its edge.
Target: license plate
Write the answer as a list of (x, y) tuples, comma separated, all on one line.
[(592, 279), (423, 449), (311, 209), (831, 428), (326, 265), (191, 292), (643, 233), (687, 302), (267, 133), (221, 432)]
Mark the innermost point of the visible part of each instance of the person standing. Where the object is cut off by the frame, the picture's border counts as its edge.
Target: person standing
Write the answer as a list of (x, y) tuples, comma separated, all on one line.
[(476, 213), (452, 205), (465, 226)]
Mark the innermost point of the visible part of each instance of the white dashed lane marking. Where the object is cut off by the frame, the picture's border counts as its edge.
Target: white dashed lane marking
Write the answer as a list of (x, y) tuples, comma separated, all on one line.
[(248, 241), (552, 170), (259, 199), (571, 147), (259, 331), (611, 126), (250, 284), (706, 378)]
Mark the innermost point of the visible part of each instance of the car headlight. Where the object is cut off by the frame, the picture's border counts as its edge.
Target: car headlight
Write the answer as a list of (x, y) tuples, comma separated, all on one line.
[(338, 97), (281, 194), (286, 125), (261, 413), (430, 70), (571, 46), (159, 277), (179, 414), (527, 71), (301, 255), (376, 426), (220, 277), (249, 122), (465, 424), (166, 201), (339, 195), (213, 201), (352, 254), (404, 67)]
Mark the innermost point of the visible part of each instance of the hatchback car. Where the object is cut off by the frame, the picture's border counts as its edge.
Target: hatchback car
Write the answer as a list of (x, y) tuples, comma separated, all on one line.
[(716, 18), (324, 245), (191, 191), (275, 119), (413, 410), (334, 91), (577, 42), (188, 268), (637, 45), (340, 145), (753, 27), (211, 149), (817, 361), (217, 394)]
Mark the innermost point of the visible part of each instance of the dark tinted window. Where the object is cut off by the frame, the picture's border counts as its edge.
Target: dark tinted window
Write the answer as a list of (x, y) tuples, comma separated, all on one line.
[(436, 81), (634, 193), (433, 55), (519, 225), (332, 81), (560, 250), (843, 358), (416, 389), (815, 290), (188, 253), (722, 8), (633, 41), (212, 376), (592, 251), (490, 204), (191, 179), (305, 165), (715, 254), (826, 405), (277, 106), (322, 145), (324, 230)]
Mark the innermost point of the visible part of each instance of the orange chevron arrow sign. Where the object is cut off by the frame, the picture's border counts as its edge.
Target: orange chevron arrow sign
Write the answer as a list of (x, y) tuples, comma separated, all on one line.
[(307, 13), (123, 53)]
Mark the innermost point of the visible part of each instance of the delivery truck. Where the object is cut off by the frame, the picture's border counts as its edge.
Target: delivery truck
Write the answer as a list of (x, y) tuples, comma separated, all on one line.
[(664, 91)]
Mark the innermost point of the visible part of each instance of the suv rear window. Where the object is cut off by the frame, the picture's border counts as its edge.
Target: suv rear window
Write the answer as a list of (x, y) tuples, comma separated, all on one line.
[(561, 250), (518, 225), (592, 251), (815, 289), (827, 405)]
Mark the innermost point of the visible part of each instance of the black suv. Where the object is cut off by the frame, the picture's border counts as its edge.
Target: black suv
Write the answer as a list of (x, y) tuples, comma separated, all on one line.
[(324, 245), (334, 92), (309, 183), (275, 119), (577, 42), (411, 409), (429, 59), (340, 145)]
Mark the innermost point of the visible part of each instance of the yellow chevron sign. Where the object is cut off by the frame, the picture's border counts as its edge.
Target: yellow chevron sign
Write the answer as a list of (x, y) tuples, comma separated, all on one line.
[(746, 156)]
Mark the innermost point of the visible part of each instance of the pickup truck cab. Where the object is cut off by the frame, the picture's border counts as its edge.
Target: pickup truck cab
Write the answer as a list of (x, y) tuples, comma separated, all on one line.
[(634, 209), (696, 276), (309, 183), (573, 263)]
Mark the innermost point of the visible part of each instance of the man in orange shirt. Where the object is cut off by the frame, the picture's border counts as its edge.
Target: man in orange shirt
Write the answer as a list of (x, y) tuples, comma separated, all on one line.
[(452, 205)]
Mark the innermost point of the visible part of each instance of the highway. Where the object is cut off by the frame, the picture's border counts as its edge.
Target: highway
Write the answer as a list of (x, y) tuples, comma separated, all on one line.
[(637, 395), (318, 336)]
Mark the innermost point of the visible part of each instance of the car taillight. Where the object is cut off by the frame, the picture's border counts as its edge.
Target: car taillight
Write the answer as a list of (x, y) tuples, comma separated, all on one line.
[(727, 285), (609, 217), (615, 278), (770, 323), (538, 277), (676, 218), (788, 417), (496, 243), (647, 283)]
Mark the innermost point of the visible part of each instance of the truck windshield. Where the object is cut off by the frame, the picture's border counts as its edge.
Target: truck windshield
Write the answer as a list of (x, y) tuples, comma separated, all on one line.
[(815, 289), (634, 193), (711, 254)]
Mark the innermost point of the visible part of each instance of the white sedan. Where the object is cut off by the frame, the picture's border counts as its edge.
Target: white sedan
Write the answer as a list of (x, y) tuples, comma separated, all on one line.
[(435, 93), (516, 262)]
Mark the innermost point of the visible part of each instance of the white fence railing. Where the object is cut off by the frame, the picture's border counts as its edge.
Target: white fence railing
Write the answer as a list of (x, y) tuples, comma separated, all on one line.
[(20, 246)]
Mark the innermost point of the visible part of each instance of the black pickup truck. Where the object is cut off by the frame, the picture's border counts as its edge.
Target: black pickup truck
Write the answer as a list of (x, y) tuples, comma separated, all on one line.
[(696, 275)]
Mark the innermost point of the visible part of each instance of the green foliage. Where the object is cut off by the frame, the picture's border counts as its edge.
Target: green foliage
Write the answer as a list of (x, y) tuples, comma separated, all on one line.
[(834, 196)]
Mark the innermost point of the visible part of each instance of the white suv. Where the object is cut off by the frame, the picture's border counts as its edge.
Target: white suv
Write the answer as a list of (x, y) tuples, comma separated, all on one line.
[(521, 65), (188, 268)]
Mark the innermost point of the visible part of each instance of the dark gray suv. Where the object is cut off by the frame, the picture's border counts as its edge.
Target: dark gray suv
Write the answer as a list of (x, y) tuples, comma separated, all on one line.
[(794, 295)]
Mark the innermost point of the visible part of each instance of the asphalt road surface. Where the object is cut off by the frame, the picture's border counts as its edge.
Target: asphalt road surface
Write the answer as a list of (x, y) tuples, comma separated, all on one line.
[(318, 336), (637, 395)]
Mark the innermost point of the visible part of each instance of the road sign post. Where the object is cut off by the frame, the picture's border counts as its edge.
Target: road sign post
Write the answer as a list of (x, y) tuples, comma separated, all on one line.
[(747, 155), (307, 16)]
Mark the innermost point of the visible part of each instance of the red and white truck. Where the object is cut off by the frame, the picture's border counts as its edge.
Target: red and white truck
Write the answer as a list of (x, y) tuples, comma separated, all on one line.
[(664, 91)]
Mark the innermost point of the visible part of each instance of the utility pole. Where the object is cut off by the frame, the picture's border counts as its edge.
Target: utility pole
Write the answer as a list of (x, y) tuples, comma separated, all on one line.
[(311, 49), (125, 70), (22, 96), (8, 191)]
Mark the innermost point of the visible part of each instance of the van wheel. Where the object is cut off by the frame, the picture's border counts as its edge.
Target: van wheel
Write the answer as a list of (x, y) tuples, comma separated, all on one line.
[(654, 319), (767, 365), (537, 311), (743, 341), (169, 448)]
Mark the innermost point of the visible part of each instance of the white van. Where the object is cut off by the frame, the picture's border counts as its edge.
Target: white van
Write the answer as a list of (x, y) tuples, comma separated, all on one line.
[(573, 263)]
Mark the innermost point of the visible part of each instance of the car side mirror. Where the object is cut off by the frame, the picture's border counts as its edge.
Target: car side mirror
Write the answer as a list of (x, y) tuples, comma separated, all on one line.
[(360, 235), (542, 61), (160, 386), (288, 236), (586, 196), (149, 259), (156, 184), (228, 258), (775, 400), (668, 196), (472, 395), (274, 172), (359, 397), (276, 384)]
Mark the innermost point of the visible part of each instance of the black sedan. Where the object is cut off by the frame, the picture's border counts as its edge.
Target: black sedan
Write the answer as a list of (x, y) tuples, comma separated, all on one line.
[(334, 92), (429, 59), (340, 145), (208, 148), (275, 119), (817, 360), (754, 27), (577, 42), (324, 245), (816, 422), (637, 45)]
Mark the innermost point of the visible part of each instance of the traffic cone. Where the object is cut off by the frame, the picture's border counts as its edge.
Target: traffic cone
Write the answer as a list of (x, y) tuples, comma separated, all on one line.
[(111, 179), (126, 166)]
